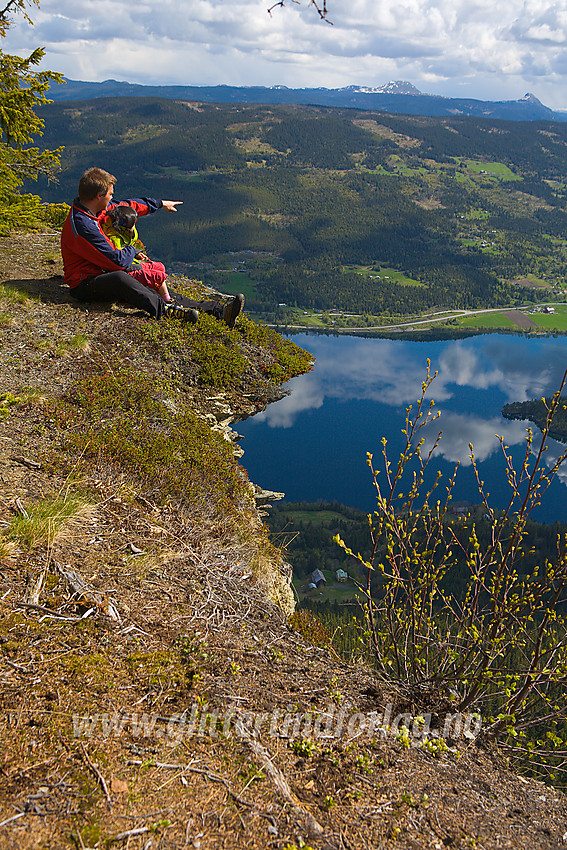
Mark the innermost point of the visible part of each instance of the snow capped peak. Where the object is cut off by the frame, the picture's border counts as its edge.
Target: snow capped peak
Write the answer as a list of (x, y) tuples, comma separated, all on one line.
[(398, 87), (393, 87), (529, 98)]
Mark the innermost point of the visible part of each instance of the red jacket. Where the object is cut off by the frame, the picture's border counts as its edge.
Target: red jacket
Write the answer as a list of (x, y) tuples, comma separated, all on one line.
[(85, 248)]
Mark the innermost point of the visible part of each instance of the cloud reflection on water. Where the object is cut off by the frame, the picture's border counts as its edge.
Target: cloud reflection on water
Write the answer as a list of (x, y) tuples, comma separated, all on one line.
[(313, 443), (391, 372), (305, 394), (458, 430)]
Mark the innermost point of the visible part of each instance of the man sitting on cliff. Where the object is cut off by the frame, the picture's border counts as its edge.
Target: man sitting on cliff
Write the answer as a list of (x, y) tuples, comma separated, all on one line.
[(97, 271)]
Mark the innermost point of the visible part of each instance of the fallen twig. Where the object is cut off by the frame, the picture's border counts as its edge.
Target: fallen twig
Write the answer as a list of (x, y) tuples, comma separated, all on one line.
[(19, 508), (85, 593), (98, 775), (18, 667), (14, 817), (25, 461), (47, 611), (141, 830), (213, 778), (313, 827)]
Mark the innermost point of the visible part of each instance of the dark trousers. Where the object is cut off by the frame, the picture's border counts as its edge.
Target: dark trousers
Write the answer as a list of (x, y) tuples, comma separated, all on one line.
[(121, 286)]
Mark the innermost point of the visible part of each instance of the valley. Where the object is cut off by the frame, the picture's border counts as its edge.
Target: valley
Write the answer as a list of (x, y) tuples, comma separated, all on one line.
[(339, 219)]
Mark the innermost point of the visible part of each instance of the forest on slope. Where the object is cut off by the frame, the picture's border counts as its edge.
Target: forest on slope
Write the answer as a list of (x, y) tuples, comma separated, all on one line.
[(315, 205)]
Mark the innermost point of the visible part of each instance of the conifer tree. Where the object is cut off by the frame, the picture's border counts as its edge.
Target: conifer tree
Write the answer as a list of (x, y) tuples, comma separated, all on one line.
[(22, 89)]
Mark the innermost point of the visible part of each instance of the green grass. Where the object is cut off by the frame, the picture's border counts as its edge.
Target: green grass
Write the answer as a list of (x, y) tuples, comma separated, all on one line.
[(401, 170), (336, 593), (176, 173), (552, 322), (332, 592), (538, 282), (383, 272), (492, 169), (488, 320), (315, 517), (239, 282), (476, 215), (555, 240), (16, 296), (399, 277), (308, 319), (49, 519), (556, 184)]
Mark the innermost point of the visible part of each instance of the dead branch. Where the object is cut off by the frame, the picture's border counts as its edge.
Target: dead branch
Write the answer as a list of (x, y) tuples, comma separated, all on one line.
[(141, 830), (19, 509), (19, 668), (185, 768), (46, 611), (313, 827), (25, 461), (14, 817), (98, 775), (35, 592), (85, 594), (321, 9)]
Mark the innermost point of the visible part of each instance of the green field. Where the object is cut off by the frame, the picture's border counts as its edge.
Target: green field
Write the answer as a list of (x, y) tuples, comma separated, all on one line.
[(238, 282), (307, 318), (544, 321), (382, 272), (334, 591), (315, 517), (552, 322), (173, 172), (538, 282), (476, 215), (488, 320), (477, 243), (491, 169)]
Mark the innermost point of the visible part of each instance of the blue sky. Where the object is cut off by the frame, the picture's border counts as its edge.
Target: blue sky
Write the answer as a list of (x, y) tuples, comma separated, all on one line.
[(457, 48)]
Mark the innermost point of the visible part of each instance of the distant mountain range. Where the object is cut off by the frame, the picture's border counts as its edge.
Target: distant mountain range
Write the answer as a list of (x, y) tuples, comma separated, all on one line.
[(394, 97)]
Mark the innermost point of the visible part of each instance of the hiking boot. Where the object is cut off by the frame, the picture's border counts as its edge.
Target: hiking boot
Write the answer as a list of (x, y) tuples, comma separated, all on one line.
[(232, 310), (185, 314)]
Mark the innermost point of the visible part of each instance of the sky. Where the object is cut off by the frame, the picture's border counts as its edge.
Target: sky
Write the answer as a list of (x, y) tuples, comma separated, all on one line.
[(456, 48)]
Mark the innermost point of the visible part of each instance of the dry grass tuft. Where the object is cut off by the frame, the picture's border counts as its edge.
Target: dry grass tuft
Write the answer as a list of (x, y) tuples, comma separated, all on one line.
[(50, 520)]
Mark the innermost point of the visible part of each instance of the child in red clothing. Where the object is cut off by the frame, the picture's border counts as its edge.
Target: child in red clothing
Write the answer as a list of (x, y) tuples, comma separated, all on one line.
[(119, 226)]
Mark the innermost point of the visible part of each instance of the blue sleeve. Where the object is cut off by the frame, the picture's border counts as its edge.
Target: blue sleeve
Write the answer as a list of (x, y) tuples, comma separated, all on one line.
[(143, 206)]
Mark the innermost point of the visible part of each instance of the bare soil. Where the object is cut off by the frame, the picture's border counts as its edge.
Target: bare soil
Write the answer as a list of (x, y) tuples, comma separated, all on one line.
[(172, 623), (521, 319)]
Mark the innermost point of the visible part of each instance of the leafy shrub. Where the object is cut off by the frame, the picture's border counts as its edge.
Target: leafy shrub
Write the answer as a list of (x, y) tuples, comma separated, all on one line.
[(220, 351), (220, 360), (501, 648), (289, 359), (124, 419)]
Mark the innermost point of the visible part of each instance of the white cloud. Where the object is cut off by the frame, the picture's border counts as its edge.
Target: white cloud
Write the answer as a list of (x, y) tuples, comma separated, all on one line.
[(458, 47)]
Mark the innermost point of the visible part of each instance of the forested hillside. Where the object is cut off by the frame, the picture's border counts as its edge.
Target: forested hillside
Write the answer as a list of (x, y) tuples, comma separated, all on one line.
[(331, 208)]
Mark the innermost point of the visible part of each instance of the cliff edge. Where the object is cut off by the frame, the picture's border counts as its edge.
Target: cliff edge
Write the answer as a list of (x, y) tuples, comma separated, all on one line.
[(153, 693)]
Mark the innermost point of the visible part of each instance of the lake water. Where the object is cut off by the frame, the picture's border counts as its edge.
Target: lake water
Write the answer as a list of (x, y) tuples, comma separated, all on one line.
[(312, 444)]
